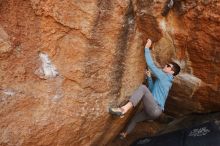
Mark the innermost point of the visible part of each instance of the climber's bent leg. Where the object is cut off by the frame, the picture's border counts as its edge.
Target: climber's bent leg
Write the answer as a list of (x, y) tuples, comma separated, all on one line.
[(138, 95), (151, 107), (138, 117), (135, 98)]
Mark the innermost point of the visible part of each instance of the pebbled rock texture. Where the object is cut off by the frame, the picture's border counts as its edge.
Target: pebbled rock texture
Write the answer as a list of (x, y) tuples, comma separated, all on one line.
[(63, 63)]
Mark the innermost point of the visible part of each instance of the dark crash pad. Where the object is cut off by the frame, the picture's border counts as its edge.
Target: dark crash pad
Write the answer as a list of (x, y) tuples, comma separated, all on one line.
[(207, 134)]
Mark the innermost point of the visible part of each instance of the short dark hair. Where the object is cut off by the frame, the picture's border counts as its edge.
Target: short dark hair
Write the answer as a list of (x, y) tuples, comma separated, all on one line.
[(176, 68)]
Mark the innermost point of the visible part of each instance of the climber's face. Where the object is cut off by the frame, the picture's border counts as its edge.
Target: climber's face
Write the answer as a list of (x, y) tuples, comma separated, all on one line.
[(168, 68)]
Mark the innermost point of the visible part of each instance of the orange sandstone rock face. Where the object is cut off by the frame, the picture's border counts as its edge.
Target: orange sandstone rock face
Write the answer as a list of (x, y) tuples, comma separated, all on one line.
[(199, 46), (63, 63)]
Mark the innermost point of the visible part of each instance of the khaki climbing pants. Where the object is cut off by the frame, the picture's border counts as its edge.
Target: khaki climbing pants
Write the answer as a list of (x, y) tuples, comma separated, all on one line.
[(150, 111)]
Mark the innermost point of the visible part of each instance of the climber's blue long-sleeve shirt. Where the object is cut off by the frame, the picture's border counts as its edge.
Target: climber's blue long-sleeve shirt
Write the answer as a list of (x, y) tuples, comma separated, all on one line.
[(160, 88)]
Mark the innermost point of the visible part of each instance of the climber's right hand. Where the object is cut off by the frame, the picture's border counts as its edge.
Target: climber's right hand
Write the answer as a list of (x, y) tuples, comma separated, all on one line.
[(148, 44)]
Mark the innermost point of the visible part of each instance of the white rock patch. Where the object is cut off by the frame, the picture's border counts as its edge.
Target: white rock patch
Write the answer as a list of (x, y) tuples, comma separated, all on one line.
[(9, 92), (163, 25), (47, 69)]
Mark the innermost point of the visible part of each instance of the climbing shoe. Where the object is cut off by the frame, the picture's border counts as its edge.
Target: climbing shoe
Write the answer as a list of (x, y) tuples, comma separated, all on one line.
[(115, 111)]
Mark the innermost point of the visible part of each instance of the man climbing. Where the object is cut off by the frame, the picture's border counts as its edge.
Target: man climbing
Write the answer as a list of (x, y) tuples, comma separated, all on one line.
[(153, 97)]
